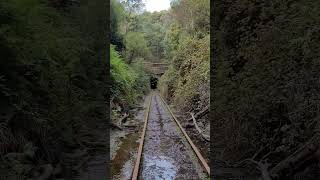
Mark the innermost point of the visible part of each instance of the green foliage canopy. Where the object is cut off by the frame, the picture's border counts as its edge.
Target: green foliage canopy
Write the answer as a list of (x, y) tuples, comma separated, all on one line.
[(136, 46)]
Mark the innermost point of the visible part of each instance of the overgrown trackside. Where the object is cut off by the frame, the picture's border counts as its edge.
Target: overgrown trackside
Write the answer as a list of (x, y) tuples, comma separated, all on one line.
[(266, 86), (52, 82)]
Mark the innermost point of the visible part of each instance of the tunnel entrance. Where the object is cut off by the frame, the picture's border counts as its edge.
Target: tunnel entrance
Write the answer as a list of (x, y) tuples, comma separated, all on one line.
[(153, 82)]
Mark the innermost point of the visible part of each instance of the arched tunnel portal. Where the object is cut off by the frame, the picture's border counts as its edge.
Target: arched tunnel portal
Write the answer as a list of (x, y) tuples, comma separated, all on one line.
[(154, 79), (155, 71)]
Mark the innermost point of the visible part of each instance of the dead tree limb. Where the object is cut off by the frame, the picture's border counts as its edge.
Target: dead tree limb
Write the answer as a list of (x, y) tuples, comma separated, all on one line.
[(93, 144), (81, 163), (115, 126), (263, 167), (47, 172), (119, 123), (298, 158), (288, 167), (111, 102), (200, 113), (206, 137), (76, 155)]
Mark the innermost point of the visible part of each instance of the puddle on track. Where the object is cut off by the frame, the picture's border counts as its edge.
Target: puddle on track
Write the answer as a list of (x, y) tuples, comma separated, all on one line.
[(167, 154), (162, 165)]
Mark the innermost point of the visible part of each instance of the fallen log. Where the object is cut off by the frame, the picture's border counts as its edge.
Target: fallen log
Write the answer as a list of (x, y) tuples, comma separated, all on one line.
[(206, 137)]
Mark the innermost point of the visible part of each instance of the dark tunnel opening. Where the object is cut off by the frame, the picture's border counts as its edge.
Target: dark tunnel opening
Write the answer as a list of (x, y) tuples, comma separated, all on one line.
[(153, 82)]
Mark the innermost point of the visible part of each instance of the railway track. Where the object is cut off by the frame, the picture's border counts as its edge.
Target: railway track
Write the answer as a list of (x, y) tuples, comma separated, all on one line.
[(165, 150)]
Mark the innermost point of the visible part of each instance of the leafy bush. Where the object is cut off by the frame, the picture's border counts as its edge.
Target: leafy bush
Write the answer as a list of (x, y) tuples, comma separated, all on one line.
[(141, 84), (168, 82), (187, 79), (266, 80), (194, 77), (52, 77), (127, 82), (187, 39)]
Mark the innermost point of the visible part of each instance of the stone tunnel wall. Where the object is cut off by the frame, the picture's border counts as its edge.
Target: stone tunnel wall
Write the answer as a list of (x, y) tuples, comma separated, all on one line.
[(156, 68)]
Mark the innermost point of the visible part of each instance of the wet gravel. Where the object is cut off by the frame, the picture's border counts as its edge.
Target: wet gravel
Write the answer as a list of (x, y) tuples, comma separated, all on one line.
[(166, 153)]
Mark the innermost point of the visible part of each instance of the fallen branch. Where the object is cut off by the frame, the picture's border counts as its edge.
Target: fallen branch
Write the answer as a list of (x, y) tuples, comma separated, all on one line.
[(47, 172), (263, 167), (94, 144), (206, 137), (189, 125), (200, 113), (76, 155), (111, 102), (297, 160), (119, 123), (130, 125), (115, 126), (81, 163), (57, 170), (288, 167)]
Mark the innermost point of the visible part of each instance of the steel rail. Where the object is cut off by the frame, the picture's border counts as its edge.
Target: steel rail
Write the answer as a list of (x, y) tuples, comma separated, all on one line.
[(135, 172), (195, 149)]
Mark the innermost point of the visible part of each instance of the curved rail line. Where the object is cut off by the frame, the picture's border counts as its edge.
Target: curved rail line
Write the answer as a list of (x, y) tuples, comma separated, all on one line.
[(135, 173)]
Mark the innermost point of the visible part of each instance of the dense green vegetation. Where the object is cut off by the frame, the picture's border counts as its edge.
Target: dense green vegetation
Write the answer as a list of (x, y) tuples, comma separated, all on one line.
[(187, 40), (128, 50), (266, 86), (176, 39), (128, 82), (179, 37), (52, 80)]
